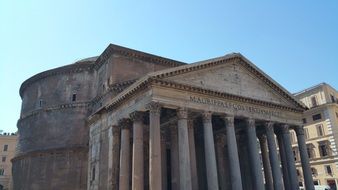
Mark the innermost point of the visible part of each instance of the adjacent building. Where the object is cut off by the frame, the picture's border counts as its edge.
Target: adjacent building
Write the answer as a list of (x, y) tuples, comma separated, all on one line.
[(132, 120), (7, 151), (321, 132)]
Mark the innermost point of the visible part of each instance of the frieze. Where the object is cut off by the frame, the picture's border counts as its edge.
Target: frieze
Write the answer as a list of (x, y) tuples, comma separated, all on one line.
[(234, 106)]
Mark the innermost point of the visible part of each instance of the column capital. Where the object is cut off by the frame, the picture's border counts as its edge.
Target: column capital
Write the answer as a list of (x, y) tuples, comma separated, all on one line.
[(154, 107), (229, 120), (125, 123), (207, 116), (284, 129), (269, 126), (299, 130), (250, 122), (182, 113), (136, 116)]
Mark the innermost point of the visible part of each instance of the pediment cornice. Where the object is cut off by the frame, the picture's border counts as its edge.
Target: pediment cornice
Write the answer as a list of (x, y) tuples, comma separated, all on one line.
[(159, 78)]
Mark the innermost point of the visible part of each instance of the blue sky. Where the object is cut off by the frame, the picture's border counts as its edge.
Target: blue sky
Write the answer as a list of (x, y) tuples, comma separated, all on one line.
[(295, 42)]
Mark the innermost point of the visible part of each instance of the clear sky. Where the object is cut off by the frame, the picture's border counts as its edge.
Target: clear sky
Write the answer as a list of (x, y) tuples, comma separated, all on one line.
[(295, 42)]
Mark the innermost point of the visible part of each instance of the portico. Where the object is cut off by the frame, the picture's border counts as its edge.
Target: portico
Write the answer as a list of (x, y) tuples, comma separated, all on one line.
[(206, 126)]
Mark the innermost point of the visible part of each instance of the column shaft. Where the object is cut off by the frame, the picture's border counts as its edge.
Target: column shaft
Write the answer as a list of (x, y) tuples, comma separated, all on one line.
[(175, 174), (183, 151), (235, 172), (293, 178), (210, 155), (221, 165), (113, 157), (274, 161), (256, 168), (304, 158), (164, 161), (282, 153), (266, 163), (138, 160), (125, 155), (155, 171), (194, 177)]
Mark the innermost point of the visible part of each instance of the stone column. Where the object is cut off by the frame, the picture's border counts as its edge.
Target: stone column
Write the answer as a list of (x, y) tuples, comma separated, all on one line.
[(256, 168), (274, 161), (164, 160), (282, 154), (194, 177), (266, 163), (289, 157), (175, 174), (113, 157), (222, 173), (183, 150), (304, 158), (125, 154), (155, 170), (210, 155), (235, 171), (138, 168)]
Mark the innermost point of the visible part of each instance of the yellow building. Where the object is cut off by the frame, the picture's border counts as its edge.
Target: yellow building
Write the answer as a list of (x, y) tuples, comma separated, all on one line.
[(321, 131), (7, 151)]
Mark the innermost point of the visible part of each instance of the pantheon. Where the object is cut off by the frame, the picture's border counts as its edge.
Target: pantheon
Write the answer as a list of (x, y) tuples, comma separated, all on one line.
[(129, 120)]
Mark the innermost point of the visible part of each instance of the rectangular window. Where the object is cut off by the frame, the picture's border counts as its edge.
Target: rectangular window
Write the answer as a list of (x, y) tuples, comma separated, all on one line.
[(309, 152), (2, 172), (328, 169), (93, 174), (74, 97), (323, 150), (320, 130), (304, 120), (5, 147), (40, 103), (316, 117), (336, 114), (295, 155), (314, 101), (333, 99), (4, 159)]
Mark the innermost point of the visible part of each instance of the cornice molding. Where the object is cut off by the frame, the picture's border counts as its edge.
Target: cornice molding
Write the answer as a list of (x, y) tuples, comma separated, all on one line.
[(73, 68), (169, 84), (131, 53)]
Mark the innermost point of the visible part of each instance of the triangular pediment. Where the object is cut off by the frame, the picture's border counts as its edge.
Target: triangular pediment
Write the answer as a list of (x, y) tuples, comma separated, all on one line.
[(231, 77)]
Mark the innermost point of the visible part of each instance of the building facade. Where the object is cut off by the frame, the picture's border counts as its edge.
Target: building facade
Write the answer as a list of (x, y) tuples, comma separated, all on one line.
[(7, 151), (321, 132), (132, 120)]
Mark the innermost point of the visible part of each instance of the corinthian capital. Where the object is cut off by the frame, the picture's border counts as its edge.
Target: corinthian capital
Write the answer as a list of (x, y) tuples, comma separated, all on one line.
[(229, 120), (182, 113), (154, 107), (207, 116), (125, 123), (136, 116), (299, 130)]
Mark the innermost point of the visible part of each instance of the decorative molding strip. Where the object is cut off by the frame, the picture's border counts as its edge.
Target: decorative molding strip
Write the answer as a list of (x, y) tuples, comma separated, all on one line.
[(51, 151), (55, 108)]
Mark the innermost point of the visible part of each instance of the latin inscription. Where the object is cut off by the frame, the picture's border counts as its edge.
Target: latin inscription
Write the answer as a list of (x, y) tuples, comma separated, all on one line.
[(234, 106)]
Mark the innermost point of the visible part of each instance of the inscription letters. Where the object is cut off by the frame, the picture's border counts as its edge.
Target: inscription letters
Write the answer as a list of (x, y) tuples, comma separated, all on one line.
[(234, 106)]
